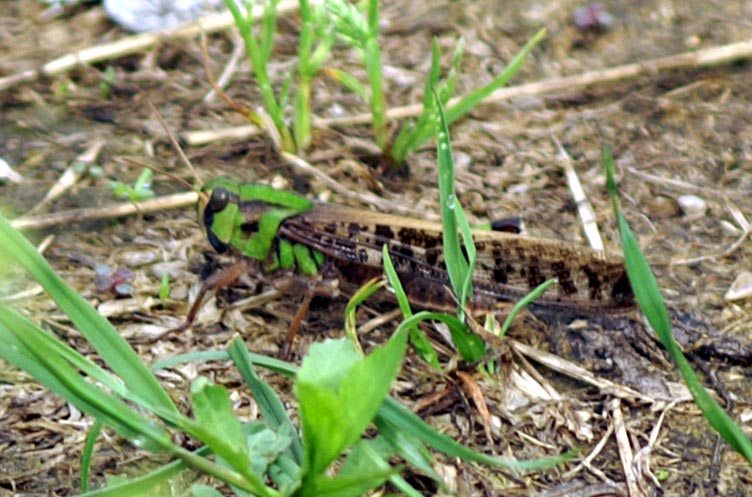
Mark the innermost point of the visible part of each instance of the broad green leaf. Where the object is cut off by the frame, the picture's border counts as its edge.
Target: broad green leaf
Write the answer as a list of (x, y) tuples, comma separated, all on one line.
[(264, 446), (338, 402), (327, 363), (370, 380), (213, 410), (325, 424)]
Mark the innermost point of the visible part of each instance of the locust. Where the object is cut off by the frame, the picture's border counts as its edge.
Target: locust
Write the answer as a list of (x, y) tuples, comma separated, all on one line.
[(284, 231)]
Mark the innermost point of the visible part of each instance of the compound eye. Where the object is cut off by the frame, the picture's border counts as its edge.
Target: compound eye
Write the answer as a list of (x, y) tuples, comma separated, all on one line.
[(218, 200)]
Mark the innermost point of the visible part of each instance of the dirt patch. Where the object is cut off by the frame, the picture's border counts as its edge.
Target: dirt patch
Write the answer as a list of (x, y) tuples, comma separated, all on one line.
[(674, 133)]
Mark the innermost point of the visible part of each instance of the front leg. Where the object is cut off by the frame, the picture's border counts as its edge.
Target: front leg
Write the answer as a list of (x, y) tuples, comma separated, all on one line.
[(317, 286), (219, 279)]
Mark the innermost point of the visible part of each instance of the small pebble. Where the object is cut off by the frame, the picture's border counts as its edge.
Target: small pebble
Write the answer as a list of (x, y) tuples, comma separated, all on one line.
[(741, 288), (173, 269), (474, 202), (661, 207), (593, 17), (280, 182), (135, 259), (462, 160), (179, 292), (692, 205)]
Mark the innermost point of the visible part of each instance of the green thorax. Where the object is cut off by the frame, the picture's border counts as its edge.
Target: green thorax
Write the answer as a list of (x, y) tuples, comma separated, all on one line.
[(245, 219)]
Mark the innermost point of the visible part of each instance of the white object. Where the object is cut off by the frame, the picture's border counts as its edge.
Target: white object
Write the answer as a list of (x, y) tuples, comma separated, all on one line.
[(153, 15), (7, 173), (741, 288), (692, 205)]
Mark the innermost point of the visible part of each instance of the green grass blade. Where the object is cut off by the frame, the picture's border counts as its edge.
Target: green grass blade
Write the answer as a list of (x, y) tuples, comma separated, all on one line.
[(377, 100), (314, 47), (270, 363), (145, 483), (391, 275), (423, 130), (407, 133), (347, 80), (22, 347), (302, 118), (651, 302), (470, 346), (259, 52), (419, 340), (472, 99), (524, 302), (306, 13), (446, 90), (397, 416), (459, 247), (351, 321), (400, 417), (115, 351), (201, 490), (368, 456), (361, 32), (268, 29), (409, 447), (88, 452), (464, 263), (38, 338), (457, 264), (270, 406), (373, 17), (468, 243)]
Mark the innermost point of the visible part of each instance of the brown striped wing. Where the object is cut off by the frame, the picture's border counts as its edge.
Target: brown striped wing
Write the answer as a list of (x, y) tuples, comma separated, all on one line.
[(508, 266)]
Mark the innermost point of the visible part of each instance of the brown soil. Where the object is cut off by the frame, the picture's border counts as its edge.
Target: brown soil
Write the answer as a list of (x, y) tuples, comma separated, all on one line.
[(673, 133)]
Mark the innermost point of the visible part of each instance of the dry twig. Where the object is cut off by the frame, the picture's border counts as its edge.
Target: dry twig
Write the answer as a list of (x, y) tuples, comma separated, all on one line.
[(700, 58), (119, 210), (584, 209), (364, 197), (625, 450), (134, 44), (574, 371)]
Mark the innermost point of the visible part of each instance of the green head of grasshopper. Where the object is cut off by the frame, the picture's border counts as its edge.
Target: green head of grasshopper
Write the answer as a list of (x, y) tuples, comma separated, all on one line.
[(245, 219)]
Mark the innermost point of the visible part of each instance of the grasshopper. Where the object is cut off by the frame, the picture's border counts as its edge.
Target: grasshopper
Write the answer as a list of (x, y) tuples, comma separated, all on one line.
[(284, 231)]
